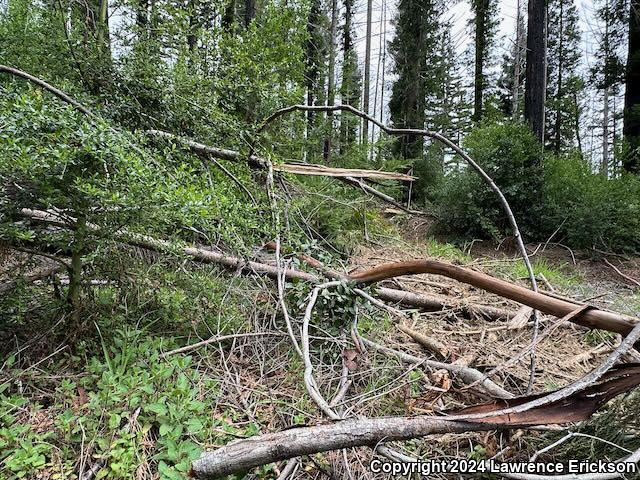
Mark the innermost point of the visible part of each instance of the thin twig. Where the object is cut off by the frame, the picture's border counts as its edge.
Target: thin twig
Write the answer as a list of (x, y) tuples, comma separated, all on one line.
[(633, 280)]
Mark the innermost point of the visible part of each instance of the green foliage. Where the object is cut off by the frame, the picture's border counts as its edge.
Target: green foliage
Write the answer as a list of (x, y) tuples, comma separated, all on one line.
[(172, 399), (510, 154), (589, 209), (555, 193), (22, 450), (31, 37), (53, 157)]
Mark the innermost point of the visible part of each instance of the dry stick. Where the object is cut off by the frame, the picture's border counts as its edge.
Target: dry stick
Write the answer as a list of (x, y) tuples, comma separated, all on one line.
[(633, 280), (219, 339), (429, 343), (309, 380), (239, 456), (289, 469), (452, 145), (467, 375), (233, 178)]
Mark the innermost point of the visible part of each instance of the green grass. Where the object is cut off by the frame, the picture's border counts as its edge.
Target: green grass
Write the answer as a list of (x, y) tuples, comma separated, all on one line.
[(446, 251), (557, 275)]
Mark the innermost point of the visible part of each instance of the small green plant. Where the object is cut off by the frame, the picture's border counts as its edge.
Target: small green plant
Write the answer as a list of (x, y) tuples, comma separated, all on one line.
[(23, 451), (597, 337)]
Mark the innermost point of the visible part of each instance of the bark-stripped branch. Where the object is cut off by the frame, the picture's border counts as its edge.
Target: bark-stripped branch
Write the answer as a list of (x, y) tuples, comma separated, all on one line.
[(348, 176)]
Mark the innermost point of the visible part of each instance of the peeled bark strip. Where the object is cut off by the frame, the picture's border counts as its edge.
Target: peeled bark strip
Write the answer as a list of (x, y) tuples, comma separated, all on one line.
[(245, 454), (592, 318)]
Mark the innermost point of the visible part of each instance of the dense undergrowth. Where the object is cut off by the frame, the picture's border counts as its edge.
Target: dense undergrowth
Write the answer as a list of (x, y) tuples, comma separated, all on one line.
[(85, 382), (555, 198)]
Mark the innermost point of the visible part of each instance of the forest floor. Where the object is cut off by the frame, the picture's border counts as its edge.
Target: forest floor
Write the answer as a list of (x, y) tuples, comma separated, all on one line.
[(110, 402)]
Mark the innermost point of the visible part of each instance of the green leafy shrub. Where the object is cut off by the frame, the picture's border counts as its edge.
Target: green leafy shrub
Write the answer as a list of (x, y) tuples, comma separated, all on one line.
[(510, 154), (589, 209)]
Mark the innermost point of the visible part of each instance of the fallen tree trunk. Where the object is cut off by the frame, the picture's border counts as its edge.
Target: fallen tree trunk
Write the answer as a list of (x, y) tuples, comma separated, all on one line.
[(31, 277), (348, 176), (592, 318), (245, 454), (426, 302)]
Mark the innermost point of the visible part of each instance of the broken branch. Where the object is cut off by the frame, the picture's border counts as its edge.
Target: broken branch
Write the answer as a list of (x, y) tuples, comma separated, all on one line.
[(245, 454)]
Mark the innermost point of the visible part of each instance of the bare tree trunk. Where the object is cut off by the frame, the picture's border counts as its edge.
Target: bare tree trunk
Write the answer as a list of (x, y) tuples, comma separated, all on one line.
[(367, 73), (481, 7), (631, 130), (558, 127), (517, 62), (535, 73), (103, 27), (576, 119), (331, 89), (604, 168), (249, 12)]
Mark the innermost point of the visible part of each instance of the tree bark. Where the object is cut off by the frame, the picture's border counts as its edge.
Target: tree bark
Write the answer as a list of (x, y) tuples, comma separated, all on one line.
[(245, 454), (331, 88), (535, 72), (481, 7), (249, 12), (631, 161), (517, 62), (604, 168), (559, 93), (367, 73)]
